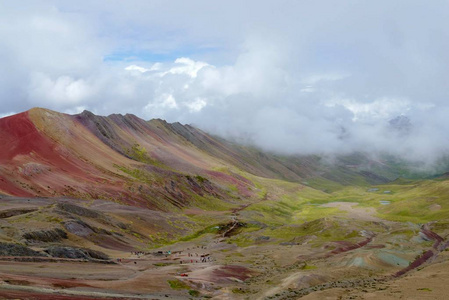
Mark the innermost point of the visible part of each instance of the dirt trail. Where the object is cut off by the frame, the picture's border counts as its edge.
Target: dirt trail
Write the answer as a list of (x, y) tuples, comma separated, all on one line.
[(235, 213), (53, 259), (47, 293), (235, 223)]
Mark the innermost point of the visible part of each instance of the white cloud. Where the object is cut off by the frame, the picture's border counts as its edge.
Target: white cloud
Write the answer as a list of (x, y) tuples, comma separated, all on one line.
[(197, 105), (63, 89), (156, 66), (161, 105), (136, 68), (75, 110), (383, 109), (186, 66)]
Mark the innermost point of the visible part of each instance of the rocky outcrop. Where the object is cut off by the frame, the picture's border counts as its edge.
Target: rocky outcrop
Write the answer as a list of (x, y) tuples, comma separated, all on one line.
[(76, 253), (78, 227), (53, 235), (9, 249), (15, 212), (78, 210)]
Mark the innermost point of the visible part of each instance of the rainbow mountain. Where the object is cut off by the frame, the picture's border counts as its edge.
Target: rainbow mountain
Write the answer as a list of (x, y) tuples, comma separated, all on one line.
[(152, 164)]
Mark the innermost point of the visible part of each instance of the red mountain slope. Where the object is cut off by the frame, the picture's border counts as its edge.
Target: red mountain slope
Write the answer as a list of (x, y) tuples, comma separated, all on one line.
[(45, 153)]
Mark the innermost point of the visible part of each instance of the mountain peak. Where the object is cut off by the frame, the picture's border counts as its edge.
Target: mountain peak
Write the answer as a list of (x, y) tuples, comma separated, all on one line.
[(401, 124)]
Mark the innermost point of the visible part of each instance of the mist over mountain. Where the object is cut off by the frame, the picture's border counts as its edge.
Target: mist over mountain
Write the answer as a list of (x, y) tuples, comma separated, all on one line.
[(46, 153), (292, 78), (157, 164)]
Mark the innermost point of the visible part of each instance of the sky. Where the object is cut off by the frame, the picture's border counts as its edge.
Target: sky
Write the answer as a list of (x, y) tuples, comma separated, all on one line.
[(293, 77)]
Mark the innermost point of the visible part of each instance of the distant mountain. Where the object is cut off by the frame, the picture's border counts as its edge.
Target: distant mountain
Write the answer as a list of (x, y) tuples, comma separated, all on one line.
[(153, 164), (401, 124)]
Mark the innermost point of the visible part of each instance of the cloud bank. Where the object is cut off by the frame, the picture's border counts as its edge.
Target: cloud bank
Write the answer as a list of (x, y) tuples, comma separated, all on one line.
[(291, 76)]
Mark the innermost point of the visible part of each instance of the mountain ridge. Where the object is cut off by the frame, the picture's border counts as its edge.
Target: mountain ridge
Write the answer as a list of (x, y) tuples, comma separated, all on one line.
[(107, 157)]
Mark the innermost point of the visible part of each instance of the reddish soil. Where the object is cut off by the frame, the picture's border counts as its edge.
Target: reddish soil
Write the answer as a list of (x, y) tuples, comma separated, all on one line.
[(11, 294), (438, 246), (11, 189), (416, 263), (53, 282), (432, 236), (347, 248), (20, 137), (239, 272)]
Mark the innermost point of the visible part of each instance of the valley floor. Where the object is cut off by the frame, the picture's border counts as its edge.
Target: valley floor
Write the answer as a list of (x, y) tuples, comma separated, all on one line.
[(329, 248)]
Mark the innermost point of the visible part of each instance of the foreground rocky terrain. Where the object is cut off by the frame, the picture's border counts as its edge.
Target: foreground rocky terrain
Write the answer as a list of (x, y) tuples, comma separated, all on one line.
[(117, 207)]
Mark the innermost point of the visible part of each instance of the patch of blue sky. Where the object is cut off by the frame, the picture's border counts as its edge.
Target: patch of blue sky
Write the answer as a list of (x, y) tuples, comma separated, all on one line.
[(141, 56), (149, 56)]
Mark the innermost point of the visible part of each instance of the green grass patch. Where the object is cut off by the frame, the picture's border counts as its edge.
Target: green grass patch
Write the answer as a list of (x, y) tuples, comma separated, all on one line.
[(324, 185), (194, 293), (162, 264), (177, 284), (308, 267), (238, 291), (140, 153), (210, 229), (242, 240)]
